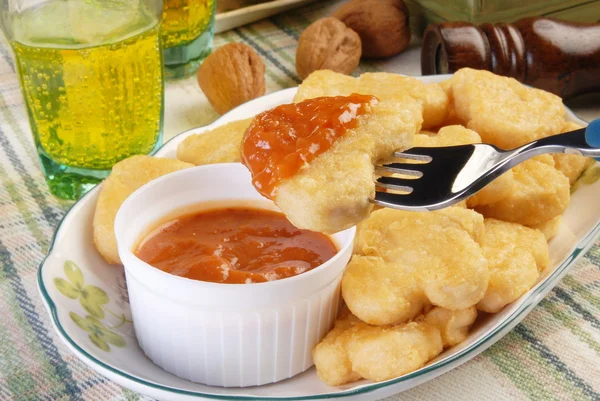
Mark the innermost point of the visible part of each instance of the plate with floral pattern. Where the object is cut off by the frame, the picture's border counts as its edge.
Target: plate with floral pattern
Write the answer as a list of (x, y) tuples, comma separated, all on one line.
[(89, 307)]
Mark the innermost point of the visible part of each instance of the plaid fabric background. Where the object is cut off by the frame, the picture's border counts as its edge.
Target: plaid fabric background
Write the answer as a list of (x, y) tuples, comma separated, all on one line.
[(553, 355)]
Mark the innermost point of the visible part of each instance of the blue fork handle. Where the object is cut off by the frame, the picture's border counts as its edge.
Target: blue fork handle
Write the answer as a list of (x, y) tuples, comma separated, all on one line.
[(592, 134)]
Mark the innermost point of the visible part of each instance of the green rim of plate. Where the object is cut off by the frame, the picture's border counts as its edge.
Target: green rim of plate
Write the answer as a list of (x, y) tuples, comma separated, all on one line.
[(532, 299)]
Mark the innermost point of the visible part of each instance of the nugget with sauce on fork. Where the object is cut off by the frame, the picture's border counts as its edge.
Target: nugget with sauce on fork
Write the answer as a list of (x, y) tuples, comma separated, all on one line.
[(315, 159)]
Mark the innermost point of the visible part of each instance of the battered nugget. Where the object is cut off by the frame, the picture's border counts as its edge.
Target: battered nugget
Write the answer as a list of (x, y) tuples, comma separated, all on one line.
[(219, 145), (503, 111), (405, 261), (451, 118), (549, 228), (469, 221), (571, 166), (354, 350), (451, 135), (332, 192), (383, 85), (330, 357), (126, 176), (516, 255), (538, 194), (380, 292), (454, 325)]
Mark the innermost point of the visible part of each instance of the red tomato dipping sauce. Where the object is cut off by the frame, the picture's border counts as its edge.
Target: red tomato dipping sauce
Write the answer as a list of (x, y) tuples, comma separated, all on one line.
[(281, 140), (237, 245)]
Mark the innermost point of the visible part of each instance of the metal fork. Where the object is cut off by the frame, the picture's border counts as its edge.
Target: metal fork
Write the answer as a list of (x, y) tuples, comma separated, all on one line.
[(434, 178)]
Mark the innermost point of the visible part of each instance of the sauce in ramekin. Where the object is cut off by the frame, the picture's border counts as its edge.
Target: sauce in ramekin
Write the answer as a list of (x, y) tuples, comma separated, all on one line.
[(234, 245)]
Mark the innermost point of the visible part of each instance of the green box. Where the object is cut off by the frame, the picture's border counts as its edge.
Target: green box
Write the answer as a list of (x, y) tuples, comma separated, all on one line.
[(425, 12)]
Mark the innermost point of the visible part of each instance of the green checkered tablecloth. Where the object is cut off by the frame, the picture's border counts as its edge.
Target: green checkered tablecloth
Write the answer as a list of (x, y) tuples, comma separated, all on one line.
[(554, 354)]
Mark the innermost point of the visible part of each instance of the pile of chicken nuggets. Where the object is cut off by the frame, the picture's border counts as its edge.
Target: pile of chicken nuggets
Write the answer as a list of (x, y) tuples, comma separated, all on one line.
[(417, 280)]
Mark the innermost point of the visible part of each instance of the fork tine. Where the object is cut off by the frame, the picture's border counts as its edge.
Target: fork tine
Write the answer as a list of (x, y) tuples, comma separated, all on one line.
[(395, 183), (414, 154), (403, 189), (393, 200), (395, 169), (411, 168), (450, 174)]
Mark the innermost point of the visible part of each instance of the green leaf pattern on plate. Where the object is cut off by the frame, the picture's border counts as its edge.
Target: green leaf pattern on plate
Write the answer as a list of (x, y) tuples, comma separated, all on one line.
[(99, 335), (92, 299)]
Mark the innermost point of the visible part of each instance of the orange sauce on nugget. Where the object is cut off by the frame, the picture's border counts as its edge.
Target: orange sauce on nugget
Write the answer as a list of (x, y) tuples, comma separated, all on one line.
[(235, 245), (281, 140)]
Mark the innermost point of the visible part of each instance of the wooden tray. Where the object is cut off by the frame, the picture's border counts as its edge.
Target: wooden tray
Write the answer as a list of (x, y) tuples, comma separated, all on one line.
[(234, 13)]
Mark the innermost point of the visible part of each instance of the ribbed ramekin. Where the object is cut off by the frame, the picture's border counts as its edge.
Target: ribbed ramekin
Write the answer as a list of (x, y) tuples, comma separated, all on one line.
[(223, 334)]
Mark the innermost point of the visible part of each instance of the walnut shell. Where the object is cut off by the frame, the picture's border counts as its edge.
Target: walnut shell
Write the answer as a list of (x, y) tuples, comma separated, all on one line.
[(327, 44), (381, 24), (232, 75)]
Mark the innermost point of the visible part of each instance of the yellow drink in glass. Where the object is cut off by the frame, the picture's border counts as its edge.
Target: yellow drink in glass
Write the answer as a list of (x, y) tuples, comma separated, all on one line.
[(187, 33), (91, 76)]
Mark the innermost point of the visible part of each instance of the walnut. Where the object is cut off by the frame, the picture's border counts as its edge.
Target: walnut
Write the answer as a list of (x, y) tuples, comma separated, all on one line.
[(232, 75), (381, 24), (327, 44)]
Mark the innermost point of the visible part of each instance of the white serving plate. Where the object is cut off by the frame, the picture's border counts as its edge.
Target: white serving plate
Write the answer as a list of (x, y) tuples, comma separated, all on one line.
[(113, 350), (232, 19)]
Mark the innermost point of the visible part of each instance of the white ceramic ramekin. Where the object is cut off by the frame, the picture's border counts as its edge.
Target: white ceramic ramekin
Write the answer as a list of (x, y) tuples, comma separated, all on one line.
[(223, 334)]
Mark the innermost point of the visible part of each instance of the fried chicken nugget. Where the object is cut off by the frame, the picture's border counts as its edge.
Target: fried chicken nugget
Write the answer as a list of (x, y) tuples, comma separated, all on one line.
[(549, 228), (451, 118), (450, 135), (453, 135), (516, 255), (219, 145), (454, 325), (126, 176), (383, 85), (332, 192), (330, 357), (469, 221), (503, 111), (405, 261), (539, 193), (354, 349), (380, 353), (401, 298), (571, 165)]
